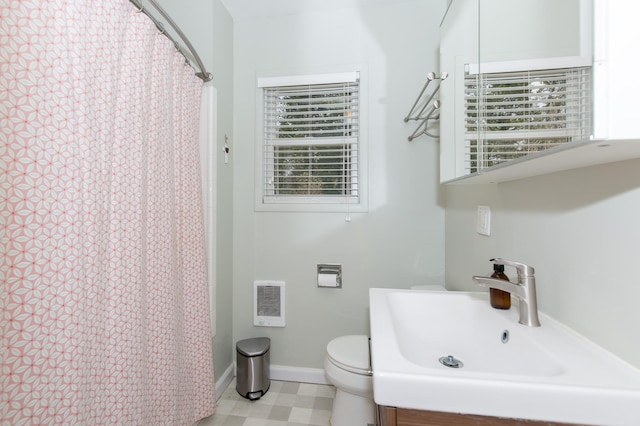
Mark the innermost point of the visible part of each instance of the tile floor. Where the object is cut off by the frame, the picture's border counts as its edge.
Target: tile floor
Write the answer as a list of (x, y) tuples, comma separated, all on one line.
[(285, 404)]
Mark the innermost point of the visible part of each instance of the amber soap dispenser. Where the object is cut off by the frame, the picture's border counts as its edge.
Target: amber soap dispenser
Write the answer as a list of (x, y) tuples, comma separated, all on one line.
[(499, 299)]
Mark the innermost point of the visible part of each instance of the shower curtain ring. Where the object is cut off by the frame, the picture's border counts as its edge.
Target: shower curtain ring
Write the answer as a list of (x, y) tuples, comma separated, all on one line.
[(160, 27)]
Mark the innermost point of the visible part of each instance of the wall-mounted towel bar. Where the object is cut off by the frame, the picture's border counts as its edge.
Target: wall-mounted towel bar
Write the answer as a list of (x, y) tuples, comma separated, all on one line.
[(425, 108), (423, 127)]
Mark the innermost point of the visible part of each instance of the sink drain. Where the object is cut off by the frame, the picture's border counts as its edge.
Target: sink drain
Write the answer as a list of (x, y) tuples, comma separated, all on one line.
[(450, 361)]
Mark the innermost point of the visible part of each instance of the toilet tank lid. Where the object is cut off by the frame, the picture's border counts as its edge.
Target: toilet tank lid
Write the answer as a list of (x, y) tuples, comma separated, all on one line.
[(253, 347), (430, 287), (352, 351)]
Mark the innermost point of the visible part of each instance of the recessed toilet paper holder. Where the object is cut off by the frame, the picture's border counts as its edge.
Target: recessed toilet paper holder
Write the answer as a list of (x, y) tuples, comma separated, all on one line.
[(330, 275)]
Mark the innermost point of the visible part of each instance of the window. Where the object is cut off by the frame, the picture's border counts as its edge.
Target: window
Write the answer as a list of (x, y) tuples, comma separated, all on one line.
[(513, 114), (311, 139)]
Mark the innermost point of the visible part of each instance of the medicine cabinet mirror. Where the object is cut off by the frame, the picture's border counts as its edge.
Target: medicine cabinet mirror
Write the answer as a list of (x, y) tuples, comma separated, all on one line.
[(529, 88)]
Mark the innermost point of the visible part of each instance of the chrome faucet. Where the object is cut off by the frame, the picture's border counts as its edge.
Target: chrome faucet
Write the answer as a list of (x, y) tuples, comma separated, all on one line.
[(524, 290)]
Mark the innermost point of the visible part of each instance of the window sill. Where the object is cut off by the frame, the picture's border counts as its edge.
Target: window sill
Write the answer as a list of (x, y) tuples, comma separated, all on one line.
[(311, 207)]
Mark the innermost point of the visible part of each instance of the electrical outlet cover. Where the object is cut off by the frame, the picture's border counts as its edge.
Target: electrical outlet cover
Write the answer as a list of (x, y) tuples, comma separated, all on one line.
[(483, 222)]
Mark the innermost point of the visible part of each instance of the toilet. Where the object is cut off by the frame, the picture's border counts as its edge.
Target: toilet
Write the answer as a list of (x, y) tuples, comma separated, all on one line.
[(348, 367), (428, 287)]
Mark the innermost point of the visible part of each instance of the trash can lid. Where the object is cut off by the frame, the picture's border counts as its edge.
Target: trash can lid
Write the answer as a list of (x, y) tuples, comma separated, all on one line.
[(254, 347)]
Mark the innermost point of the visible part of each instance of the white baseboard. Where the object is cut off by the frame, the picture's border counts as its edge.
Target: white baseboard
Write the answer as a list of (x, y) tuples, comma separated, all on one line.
[(276, 372), (298, 374), (224, 381)]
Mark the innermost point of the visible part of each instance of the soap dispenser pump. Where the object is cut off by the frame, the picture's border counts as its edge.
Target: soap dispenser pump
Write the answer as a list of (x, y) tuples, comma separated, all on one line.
[(499, 299)]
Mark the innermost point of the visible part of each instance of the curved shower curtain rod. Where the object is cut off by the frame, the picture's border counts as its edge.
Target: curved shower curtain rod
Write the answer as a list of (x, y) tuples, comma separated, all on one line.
[(203, 74)]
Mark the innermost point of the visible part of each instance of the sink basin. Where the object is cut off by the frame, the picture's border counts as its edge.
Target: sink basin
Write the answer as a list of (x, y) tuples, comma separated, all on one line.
[(508, 369), (484, 343)]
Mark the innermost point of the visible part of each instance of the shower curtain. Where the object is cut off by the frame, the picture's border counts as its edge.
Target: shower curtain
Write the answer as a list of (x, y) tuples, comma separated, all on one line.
[(104, 311)]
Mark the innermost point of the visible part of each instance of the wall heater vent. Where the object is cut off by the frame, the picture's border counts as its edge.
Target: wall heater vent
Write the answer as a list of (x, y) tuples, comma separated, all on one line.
[(268, 303)]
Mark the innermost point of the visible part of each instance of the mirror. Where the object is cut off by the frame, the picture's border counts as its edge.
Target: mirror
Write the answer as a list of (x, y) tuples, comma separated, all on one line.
[(526, 88), (459, 46)]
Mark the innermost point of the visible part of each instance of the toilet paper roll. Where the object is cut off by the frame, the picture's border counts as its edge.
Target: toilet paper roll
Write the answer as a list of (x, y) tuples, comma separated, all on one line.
[(328, 280)]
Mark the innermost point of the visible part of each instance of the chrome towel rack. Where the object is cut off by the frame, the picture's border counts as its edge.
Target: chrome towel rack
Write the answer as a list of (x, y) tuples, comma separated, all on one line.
[(426, 109)]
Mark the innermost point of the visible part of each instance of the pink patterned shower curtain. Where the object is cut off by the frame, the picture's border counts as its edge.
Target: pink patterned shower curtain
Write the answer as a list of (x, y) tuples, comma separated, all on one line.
[(104, 315)]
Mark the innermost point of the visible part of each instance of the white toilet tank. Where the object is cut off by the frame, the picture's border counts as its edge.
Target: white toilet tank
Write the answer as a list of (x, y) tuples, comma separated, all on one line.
[(430, 287)]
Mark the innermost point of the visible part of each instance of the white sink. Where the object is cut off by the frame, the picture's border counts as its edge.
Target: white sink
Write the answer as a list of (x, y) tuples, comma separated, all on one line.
[(509, 370)]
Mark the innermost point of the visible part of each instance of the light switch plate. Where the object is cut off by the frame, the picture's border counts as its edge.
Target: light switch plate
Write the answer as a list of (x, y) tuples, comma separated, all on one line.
[(483, 221)]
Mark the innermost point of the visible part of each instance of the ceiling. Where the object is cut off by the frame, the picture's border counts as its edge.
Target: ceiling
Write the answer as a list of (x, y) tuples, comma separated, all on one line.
[(241, 9)]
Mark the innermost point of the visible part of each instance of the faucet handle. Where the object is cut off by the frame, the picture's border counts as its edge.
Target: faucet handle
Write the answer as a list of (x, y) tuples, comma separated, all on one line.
[(523, 270)]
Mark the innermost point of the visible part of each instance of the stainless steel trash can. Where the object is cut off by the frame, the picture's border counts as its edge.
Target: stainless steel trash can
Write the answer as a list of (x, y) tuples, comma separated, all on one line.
[(252, 364)]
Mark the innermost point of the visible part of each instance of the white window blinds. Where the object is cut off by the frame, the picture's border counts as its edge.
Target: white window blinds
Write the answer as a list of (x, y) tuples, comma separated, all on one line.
[(514, 114), (311, 142)]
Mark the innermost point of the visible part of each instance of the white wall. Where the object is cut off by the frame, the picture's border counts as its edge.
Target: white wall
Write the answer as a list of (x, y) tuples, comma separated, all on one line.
[(222, 70), (399, 241), (579, 229), (209, 28)]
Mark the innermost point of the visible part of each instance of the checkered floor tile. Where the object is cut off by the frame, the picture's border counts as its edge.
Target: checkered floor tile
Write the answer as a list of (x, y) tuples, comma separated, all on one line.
[(285, 404)]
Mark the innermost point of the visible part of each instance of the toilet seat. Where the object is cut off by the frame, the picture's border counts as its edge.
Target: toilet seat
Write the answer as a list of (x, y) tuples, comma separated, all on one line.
[(351, 353), (347, 367)]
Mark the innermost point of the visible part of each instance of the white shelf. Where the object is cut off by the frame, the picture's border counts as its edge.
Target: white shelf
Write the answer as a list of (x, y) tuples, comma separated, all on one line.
[(565, 157)]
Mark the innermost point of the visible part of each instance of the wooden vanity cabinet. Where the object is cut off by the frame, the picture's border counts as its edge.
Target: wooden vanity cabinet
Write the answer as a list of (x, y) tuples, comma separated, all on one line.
[(392, 416)]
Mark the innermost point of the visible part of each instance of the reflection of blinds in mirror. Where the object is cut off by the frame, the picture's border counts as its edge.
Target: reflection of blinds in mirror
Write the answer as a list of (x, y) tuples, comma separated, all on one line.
[(268, 303), (509, 115)]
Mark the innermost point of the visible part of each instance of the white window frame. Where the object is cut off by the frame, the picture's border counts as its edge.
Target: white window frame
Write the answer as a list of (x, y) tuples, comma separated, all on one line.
[(266, 202)]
